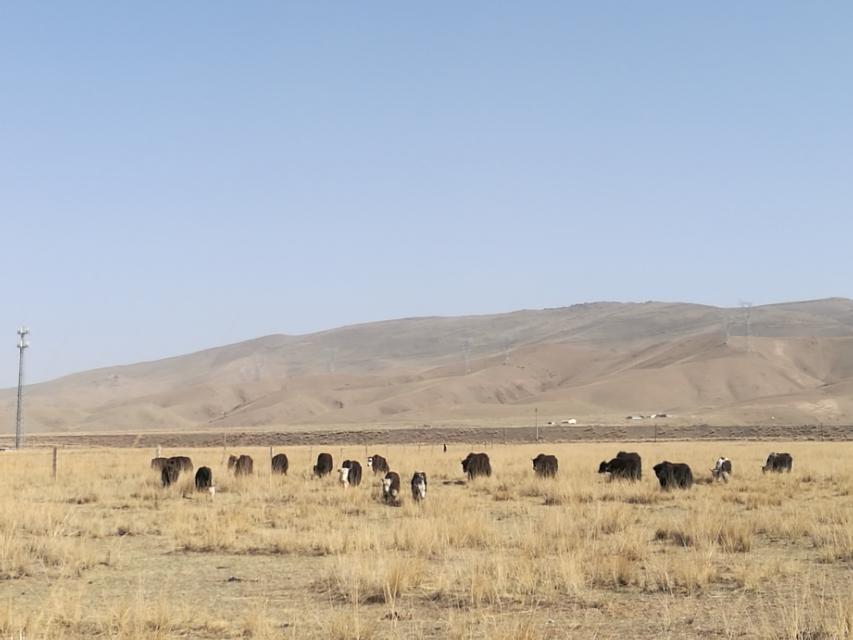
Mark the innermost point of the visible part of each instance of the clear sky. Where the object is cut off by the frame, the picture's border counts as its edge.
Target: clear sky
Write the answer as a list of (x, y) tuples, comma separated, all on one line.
[(177, 175)]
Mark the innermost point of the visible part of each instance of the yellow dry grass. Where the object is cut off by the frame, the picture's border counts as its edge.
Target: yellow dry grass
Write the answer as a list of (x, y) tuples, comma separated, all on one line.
[(104, 551)]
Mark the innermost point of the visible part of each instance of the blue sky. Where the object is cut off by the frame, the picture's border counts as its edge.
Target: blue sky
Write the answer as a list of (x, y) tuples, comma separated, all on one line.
[(181, 175)]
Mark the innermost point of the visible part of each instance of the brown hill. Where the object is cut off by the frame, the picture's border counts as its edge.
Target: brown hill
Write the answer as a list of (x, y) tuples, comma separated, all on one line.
[(791, 363)]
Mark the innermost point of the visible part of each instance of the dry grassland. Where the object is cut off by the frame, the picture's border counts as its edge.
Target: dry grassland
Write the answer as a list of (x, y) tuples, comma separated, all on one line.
[(104, 551)]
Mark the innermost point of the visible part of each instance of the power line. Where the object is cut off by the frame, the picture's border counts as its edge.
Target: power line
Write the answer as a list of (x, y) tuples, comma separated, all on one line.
[(19, 418)]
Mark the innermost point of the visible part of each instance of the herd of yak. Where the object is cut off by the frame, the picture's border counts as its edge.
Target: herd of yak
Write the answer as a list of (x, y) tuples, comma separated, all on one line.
[(628, 466)]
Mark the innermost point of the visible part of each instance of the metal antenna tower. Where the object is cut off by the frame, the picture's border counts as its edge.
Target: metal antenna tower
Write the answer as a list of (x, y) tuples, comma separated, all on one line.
[(332, 359), (506, 353), (19, 418)]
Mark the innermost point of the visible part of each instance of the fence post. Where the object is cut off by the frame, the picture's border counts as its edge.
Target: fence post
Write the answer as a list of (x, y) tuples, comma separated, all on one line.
[(53, 467)]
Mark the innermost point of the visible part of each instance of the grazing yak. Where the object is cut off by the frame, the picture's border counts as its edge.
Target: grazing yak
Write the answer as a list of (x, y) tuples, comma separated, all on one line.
[(158, 463), (232, 462), (674, 475), (203, 479), (545, 466), (169, 473), (722, 469), (244, 466), (391, 487), (324, 465), (183, 462), (279, 464), (350, 473), (778, 462), (378, 464), (625, 465), (419, 486), (477, 464)]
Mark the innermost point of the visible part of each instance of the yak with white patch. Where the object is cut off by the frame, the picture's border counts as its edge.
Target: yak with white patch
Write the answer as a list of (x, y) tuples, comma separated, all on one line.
[(378, 464), (419, 486), (391, 487), (722, 469), (353, 475)]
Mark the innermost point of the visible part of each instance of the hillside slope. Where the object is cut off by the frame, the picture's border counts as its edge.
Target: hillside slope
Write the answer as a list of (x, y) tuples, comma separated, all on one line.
[(595, 362)]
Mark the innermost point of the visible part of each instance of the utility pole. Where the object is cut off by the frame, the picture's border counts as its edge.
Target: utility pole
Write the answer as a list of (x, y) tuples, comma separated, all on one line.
[(19, 418)]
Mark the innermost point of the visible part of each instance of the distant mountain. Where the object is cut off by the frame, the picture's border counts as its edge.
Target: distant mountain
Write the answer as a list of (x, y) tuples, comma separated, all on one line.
[(595, 362)]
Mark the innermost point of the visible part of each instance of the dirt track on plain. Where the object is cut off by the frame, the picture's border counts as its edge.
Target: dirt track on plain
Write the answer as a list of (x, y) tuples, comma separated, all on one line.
[(449, 435)]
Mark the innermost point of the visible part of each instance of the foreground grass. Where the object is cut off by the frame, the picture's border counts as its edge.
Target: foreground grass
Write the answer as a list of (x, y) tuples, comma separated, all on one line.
[(104, 551)]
